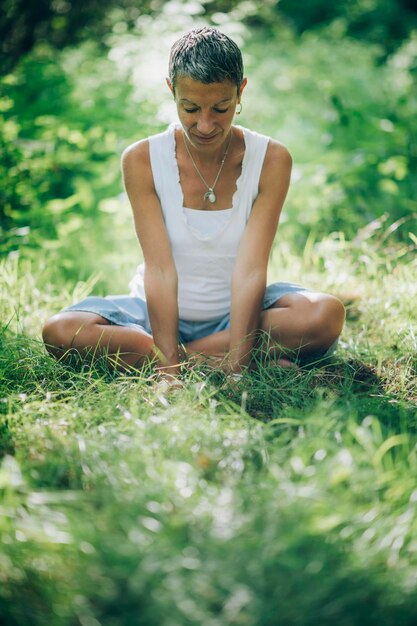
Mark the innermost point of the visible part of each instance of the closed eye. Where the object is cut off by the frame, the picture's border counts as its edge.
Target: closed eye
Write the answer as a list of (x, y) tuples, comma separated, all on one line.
[(217, 110)]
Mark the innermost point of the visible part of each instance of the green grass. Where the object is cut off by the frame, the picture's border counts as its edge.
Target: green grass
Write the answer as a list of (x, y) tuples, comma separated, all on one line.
[(289, 498)]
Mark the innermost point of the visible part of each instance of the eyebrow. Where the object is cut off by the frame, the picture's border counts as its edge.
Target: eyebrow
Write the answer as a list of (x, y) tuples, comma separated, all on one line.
[(191, 102)]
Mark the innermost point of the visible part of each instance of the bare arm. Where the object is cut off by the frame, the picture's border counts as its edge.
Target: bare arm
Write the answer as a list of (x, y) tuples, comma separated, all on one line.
[(161, 279), (249, 274)]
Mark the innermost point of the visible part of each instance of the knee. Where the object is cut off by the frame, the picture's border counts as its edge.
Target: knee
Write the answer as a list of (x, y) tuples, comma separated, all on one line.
[(328, 318), (58, 333)]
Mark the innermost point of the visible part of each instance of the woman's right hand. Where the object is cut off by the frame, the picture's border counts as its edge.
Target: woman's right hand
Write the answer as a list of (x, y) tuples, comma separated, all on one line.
[(167, 382)]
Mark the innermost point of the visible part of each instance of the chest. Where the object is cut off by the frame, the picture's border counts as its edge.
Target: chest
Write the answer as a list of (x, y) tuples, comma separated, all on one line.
[(196, 179), (194, 188)]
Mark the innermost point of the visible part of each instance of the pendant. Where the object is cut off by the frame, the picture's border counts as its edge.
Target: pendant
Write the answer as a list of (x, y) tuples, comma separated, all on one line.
[(210, 196)]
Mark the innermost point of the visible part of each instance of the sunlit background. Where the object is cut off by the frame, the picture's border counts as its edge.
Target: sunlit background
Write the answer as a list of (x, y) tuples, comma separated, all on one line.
[(335, 83)]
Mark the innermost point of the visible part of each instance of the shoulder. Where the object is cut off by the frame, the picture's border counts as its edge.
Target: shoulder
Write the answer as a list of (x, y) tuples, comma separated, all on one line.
[(136, 165), (277, 163), (277, 155), (136, 153), (276, 170)]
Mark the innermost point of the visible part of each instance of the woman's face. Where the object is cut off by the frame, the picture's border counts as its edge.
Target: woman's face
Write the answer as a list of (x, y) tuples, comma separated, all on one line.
[(206, 110)]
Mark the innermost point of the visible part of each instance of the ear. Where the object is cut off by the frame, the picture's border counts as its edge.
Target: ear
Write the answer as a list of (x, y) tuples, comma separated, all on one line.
[(243, 85), (171, 88)]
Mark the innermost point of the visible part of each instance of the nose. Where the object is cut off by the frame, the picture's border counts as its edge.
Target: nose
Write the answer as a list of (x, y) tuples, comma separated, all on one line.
[(205, 125)]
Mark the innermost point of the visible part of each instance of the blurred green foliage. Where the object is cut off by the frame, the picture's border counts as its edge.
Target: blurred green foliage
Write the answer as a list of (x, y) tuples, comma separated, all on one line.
[(345, 107), (350, 123), (24, 23), (385, 22), (65, 121)]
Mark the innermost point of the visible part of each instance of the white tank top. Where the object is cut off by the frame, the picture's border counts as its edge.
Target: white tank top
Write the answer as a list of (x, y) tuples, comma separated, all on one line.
[(207, 222), (204, 256)]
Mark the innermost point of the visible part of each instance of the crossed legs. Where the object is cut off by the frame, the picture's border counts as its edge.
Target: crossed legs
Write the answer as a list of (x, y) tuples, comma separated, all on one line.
[(305, 322)]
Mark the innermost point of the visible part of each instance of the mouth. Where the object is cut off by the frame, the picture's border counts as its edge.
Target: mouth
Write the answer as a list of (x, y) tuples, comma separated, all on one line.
[(205, 139)]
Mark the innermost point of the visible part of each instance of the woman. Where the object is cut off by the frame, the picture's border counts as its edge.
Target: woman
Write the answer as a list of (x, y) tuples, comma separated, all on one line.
[(206, 198)]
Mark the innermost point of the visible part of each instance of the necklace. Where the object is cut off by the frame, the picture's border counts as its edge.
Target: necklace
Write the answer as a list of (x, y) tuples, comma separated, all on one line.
[(209, 195)]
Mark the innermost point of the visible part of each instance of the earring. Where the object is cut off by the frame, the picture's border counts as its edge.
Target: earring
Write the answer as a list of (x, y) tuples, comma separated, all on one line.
[(240, 110)]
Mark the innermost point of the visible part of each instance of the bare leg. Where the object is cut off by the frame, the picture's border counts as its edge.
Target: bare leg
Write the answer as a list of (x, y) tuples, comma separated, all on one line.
[(92, 335), (307, 323), (304, 322)]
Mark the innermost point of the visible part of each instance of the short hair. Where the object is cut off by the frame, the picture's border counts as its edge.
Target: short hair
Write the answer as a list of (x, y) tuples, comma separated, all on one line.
[(206, 55)]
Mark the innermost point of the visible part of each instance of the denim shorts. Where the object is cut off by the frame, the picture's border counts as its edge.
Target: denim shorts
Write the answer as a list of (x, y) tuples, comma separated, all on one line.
[(132, 311)]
